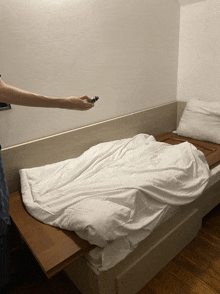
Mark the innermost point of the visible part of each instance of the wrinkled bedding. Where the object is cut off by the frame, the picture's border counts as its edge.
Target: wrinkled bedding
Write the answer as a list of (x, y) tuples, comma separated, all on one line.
[(115, 190)]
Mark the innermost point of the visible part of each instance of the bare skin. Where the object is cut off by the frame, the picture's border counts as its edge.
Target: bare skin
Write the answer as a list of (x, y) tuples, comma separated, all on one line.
[(13, 95)]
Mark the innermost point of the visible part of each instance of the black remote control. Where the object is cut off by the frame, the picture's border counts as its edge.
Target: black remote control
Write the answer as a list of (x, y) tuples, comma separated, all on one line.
[(94, 99)]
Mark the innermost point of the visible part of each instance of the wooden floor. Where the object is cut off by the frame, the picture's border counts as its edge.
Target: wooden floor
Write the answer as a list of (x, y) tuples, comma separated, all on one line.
[(196, 269)]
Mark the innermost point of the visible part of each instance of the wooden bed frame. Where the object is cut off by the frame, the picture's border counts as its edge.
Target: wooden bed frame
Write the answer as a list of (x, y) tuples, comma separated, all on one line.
[(57, 249), (164, 243)]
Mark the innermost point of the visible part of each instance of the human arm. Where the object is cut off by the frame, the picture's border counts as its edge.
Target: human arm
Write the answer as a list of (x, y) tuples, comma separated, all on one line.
[(13, 95)]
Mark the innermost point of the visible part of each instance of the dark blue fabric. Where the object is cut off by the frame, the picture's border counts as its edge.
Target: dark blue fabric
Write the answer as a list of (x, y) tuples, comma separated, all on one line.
[(4, 228)]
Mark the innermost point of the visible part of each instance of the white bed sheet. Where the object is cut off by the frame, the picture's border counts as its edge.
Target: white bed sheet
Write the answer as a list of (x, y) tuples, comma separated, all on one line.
[(117, 251), (115, 192), (105, 258)]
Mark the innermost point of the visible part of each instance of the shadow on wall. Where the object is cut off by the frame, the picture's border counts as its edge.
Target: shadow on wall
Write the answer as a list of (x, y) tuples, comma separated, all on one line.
[(187, 2)]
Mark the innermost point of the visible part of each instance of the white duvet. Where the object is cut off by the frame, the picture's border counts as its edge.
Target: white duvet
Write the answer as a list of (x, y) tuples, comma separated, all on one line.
[(115, 190)]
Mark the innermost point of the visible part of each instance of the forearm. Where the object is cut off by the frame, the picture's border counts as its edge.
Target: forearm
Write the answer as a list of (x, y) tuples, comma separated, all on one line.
[(12, 95)]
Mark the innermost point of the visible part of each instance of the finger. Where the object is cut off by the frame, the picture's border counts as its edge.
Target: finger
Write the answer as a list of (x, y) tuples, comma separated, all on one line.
[(85, 97), (88, 105)]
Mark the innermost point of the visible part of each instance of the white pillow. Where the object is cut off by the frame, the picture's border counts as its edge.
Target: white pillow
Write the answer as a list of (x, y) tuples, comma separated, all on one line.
[(201, 121)]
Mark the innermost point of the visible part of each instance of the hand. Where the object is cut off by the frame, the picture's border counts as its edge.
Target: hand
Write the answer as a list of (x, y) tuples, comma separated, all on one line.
[(79, 103)]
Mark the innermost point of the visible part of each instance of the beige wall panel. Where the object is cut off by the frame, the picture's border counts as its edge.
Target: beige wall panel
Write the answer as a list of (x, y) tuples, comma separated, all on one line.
[(71, 144)]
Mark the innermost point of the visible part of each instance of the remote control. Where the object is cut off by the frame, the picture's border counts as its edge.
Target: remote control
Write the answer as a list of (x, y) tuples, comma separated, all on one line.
[(94, 99)]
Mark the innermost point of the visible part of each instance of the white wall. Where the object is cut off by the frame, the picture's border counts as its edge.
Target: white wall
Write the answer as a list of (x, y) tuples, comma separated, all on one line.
[(125, 51), (199, 51)]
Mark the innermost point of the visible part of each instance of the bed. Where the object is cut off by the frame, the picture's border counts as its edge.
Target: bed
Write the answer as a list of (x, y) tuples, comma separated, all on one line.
[(60, 249), (153, 253)]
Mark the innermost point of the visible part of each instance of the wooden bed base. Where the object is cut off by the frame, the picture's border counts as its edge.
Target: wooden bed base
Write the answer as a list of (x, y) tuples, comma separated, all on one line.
[(210, 150), (53, 248), (57, 249), (164, 243)]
